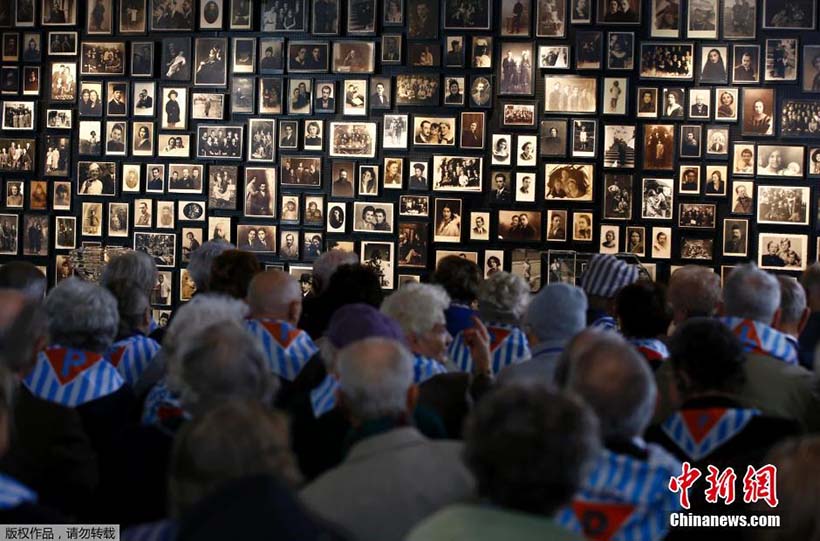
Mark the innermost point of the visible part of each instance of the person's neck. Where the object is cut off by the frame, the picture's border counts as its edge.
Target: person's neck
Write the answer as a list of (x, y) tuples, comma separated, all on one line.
[(272, 315), (791, 329)]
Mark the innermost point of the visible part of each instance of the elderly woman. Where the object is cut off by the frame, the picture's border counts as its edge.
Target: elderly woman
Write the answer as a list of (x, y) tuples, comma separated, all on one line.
[(502, 301)]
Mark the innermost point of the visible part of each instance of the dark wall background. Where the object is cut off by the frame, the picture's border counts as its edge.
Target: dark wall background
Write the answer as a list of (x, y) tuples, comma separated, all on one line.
[(514, 252)]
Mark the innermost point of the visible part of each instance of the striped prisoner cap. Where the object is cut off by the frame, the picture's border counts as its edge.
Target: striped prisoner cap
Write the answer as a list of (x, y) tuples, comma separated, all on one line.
[(606, 275)]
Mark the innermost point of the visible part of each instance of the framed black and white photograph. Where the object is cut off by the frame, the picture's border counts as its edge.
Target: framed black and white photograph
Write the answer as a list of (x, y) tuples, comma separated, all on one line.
[(423, 55), (810, 66), (647, 102), (57, 13), (617, 204), (368, 180), (518, 115), (155, 182), (782, 251), (207, 106), (18, 115), (783, 205), (716, 180), (391, 49), (393, 173), (256, 238), (570, 94), (97, 178), (170, 16), (133, 17), (244, 55), (261, 140), (99, 15), (746, 60), (260, 192), (481, 92), (288, 134), (525, 187), (352, 139), (222, 186), (142, 137), (758, 111), (336, 217), (584, 139), (419, 179), (325, 101), (211, 14), (458, 18), (726, 104), (479, 226), (658, 146), (736, 237), (15, 194), (185, 178), (697, 215), (588, 47), (665, 19), (455, 91), (381, 92), (661, 242), (568, 182), (700, 101), (131, 177), (690, 141), (798, 118), (550, 17), (620, 50), (556, 225), (210, 59), (100, 58), (304, 171), (814, 162), (523, 226), (739, 19), (308, 56), (689, 179), (448, 220), (271, 55), (636, 240), (702, 19), (354, 56), (424, 90), (326, 17), (145, 94), (580, 11), (789, 14), (516, 69), (713, 64), (299, 96), (59, 119), (242, 95), (696, 248), (379, 256), (614, 12), (554, 56), (288, 245), (66, 232), (270, 95), (373, 217), (582, 226), (314, 211), (31, 80), (516, 19), (673, 103), (118, 220), (174, 108), (142, 59), (313, 135), (780, 160), (657, 201), (610, 239), (361, 16), (453, 54), (414, 205), (170, 145), (457, 173), (781, 60), (668, 60), (241, 15), (117, 99), (619, 146), (160, 246), (35, 237), (57, 159), (434, 131), (219, 141)]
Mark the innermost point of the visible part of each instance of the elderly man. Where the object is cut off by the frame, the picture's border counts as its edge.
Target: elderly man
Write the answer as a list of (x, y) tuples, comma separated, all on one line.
[(604, 278), (556, 438), (133, 351), (25, 277), (199, 268), (393, 476), (794, 314), (554, 316), (617, 383), (810, 335), (502, 301), (694, 291), (275, 299)]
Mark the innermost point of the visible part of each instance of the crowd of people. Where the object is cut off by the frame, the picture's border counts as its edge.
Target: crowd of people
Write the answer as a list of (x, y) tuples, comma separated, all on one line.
[(457, 408)]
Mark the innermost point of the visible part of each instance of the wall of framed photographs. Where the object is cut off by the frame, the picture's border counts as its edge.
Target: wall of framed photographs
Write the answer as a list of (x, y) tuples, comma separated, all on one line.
[(407, 130)]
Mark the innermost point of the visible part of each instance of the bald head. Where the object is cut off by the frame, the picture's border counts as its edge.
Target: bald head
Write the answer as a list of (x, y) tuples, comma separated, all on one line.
[(275, 294)]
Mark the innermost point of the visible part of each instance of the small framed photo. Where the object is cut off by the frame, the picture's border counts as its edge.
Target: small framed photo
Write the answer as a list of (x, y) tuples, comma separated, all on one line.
[(55, 13), (613, 13), (702, 19), (701, 249), (556, 225), (174, 108), (726, 102), (782, 15), (455, 91), (697, 215), (241, 15), (102, 58), (118, 220), (308, 56), (516, 76), (519, 115), (735, 237), (433, 131), (289, 211), (59, 119), (665, 60), (713, 63), (413, 244), (658, 146), (406, 86), (619, 145), (35, 241), (314, 210), (336, 217), (570, 94), (482, 52), (519, 226), (689, 179), (131, 177), (814, 162), (617, 197), (616, 95), (219, 141), (379, 256), (220, 228), (18, 115), (610, 239), (92, 219), (457, 173), (665, 19), (690, 141), (38, 196), (325, 102), (781, 60), (584, 139), (185, 178), (299, 96), (636, 240), (424, 55), (271, 55), (311, 246), (758, 111), (782, 251), (621, 50), (355, 103), (739, 19), (8, 234), (244, 55), (673, 103), (142, 59), (716, 178), (142, 138), (242, 95), (97, 178), (160, 246), (66, 232), (133, 17), (742, 192), (717, 142), (419, 180), (301, 171), (582, 226), (261, 140), (171, 145), (395, 131), (343, 175), (61, 199), (472, 130), (493, 262), (448, 219), (156, 178), (661, 242), (207, 106), (414, 205), (554, 56), (479, 226), (391, 49), (700, 100), (368, 180), (63, 81), (647, 102), (588, 50), (210, 59), (222, 186), (353, 139), (393, 173), (354, 57), (211, 15), (481, 91), (658, 199), (525, 187), (270, 96), (288, 248), (372, 217), (313, 134), (783, 205), (553, 134), (144, 97), (746, 64), (176, 59)]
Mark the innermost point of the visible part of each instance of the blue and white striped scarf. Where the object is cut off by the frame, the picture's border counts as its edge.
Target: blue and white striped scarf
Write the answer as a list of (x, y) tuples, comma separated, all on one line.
[(627, 499), (651, 348), (13, 493), (757, 337), (508, 345), (132, 355), (72, 377), (606, 323), (287, 349), (162, 406), (323, 397), (698, 432)]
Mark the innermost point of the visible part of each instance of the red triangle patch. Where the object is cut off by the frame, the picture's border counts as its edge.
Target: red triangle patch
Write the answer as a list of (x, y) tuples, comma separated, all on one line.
[(116, 356), (281, 332), (747, 332), (497, 336), (68, 363), (600, 521), (701, 421)]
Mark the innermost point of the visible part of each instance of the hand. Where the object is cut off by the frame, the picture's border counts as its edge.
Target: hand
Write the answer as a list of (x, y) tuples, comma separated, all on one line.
[(477, 340)]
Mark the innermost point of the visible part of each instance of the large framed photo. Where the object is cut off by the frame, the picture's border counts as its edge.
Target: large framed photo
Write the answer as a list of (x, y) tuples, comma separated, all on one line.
[(516, 69), (781, 59), (284, 16), (780, 160), (62, 13), (476, 16), (619, 12), (672, 60), (171, 16), (658, 199), (516, 18), (783, 205), (372, 217), (133, 16), (434, 130), (219, 141), (665, 19), (570, 94), (211, 61), (739, 19), (568, 182), (697, 215), (658, 146), (102, 58), (798, 118), (702, 19), (781, 251), (457, 173), (789, 14), (521, 226), (353, 139), (758, 111), (160, 246), (550, 17), (354, 56)]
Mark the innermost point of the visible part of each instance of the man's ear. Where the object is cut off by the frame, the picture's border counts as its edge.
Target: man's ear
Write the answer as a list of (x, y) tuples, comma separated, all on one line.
[(776, 318)]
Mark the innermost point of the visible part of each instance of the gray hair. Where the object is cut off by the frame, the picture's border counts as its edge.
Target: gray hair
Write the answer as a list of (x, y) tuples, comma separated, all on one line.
[(132, 304), (613, 378), (82, 315), (199, 267), (792, 300), (132, 266), (751, 293), (811, 281), (25, 326), (503, 297), (223, 361), (200, 312), (237, 438), (417, 307), (374, 376), (694, 290), (24, 277), (326, 265)]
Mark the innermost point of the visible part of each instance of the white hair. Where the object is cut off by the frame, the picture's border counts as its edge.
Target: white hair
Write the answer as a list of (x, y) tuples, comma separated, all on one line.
[(200, 312), (417, 307), (374, 376), (503, 297), (82, 315), (751, 293), (132, 266), (326, 265), (792, 300), (695, 290)]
